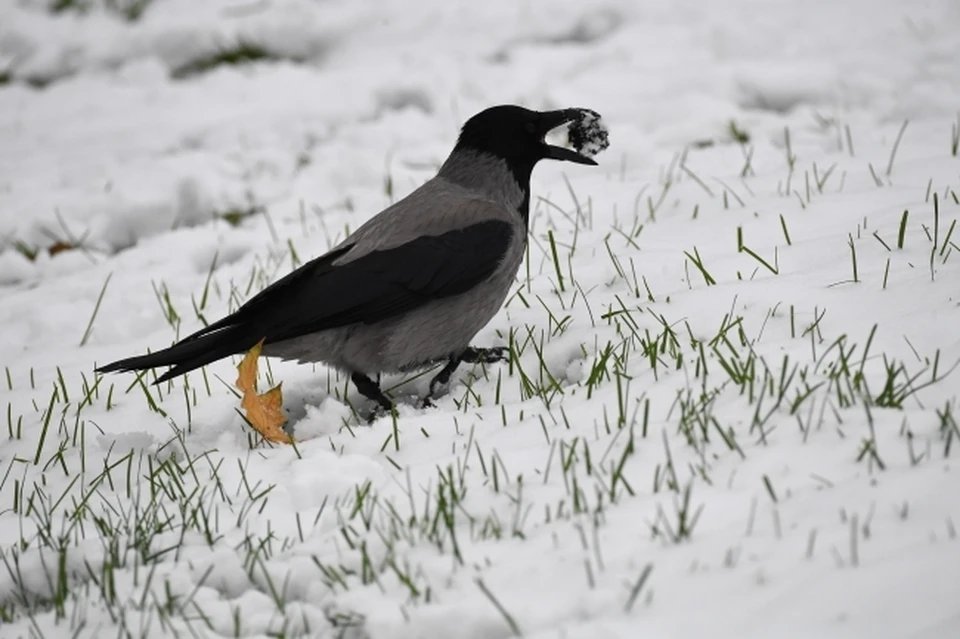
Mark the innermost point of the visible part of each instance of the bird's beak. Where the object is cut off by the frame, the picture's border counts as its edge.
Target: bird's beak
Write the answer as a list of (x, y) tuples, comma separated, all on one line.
[(550, 120)]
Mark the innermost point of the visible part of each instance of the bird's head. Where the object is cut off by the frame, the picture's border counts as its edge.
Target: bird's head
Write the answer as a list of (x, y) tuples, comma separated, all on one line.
[(518, 136), (498, 148)]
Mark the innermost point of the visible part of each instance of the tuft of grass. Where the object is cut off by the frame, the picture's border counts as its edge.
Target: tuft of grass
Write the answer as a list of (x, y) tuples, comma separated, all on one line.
[(820, 179), (697, 261), (743, 248), (235, 216), (738, 135), (24, 249), (129, 10), (242, 52), (60, 6)]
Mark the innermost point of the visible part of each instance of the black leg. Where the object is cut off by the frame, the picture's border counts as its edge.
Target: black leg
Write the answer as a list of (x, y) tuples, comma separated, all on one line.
[(441, 379), (371, 390), (472, 355)]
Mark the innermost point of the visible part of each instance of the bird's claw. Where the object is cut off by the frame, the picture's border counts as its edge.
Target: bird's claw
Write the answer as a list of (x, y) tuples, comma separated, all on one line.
[(473, 355), (490, 355)]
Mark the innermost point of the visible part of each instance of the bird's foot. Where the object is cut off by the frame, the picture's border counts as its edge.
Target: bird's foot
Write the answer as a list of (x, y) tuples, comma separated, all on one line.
[(492, 355), (440, 382), (473, 355), (371, 390)]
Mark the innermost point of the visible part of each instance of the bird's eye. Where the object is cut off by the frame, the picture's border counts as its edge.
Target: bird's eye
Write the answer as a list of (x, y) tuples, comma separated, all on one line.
[(531, 128)]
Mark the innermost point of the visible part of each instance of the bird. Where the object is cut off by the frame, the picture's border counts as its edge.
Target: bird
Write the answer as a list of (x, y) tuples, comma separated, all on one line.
[(410, 288)]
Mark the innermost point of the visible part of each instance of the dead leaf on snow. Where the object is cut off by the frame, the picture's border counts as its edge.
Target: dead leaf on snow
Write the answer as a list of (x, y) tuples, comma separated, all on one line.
[(263, 411)]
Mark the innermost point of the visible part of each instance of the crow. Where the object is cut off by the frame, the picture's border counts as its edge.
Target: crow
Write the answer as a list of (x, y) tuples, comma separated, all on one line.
[(412, 286)]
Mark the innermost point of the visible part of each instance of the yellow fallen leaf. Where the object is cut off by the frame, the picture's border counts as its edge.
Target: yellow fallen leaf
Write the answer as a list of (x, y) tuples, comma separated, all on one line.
[(263, 411)]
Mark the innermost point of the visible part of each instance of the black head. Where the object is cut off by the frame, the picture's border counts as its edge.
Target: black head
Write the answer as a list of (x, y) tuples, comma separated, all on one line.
[(516, 135)]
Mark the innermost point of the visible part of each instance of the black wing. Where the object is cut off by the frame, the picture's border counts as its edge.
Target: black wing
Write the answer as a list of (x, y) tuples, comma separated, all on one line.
[(322, 295), (376, 286)]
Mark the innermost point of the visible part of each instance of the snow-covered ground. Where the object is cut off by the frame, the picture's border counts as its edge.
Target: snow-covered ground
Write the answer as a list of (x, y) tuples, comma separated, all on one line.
[(732, 408)]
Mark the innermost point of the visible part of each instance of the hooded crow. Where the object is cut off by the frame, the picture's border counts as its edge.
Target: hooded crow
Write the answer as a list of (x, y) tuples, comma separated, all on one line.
[(412, 286)]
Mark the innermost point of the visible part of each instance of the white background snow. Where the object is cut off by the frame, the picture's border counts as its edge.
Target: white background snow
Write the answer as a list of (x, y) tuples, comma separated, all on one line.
[(764, 447)]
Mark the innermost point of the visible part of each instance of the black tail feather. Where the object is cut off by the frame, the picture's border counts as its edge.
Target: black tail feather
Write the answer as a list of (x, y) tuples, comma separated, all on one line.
[(188, 354)]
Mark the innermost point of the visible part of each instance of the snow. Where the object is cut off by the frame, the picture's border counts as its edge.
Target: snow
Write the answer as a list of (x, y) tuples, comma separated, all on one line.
[(549, 486), (588, 133)]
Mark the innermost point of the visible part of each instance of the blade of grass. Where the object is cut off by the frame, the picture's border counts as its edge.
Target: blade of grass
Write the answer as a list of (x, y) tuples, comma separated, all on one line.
[(96, 309)]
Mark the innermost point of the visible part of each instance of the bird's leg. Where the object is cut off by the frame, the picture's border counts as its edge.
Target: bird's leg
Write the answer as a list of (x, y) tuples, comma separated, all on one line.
[(471, 355), (441, 379), (371, 390)]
